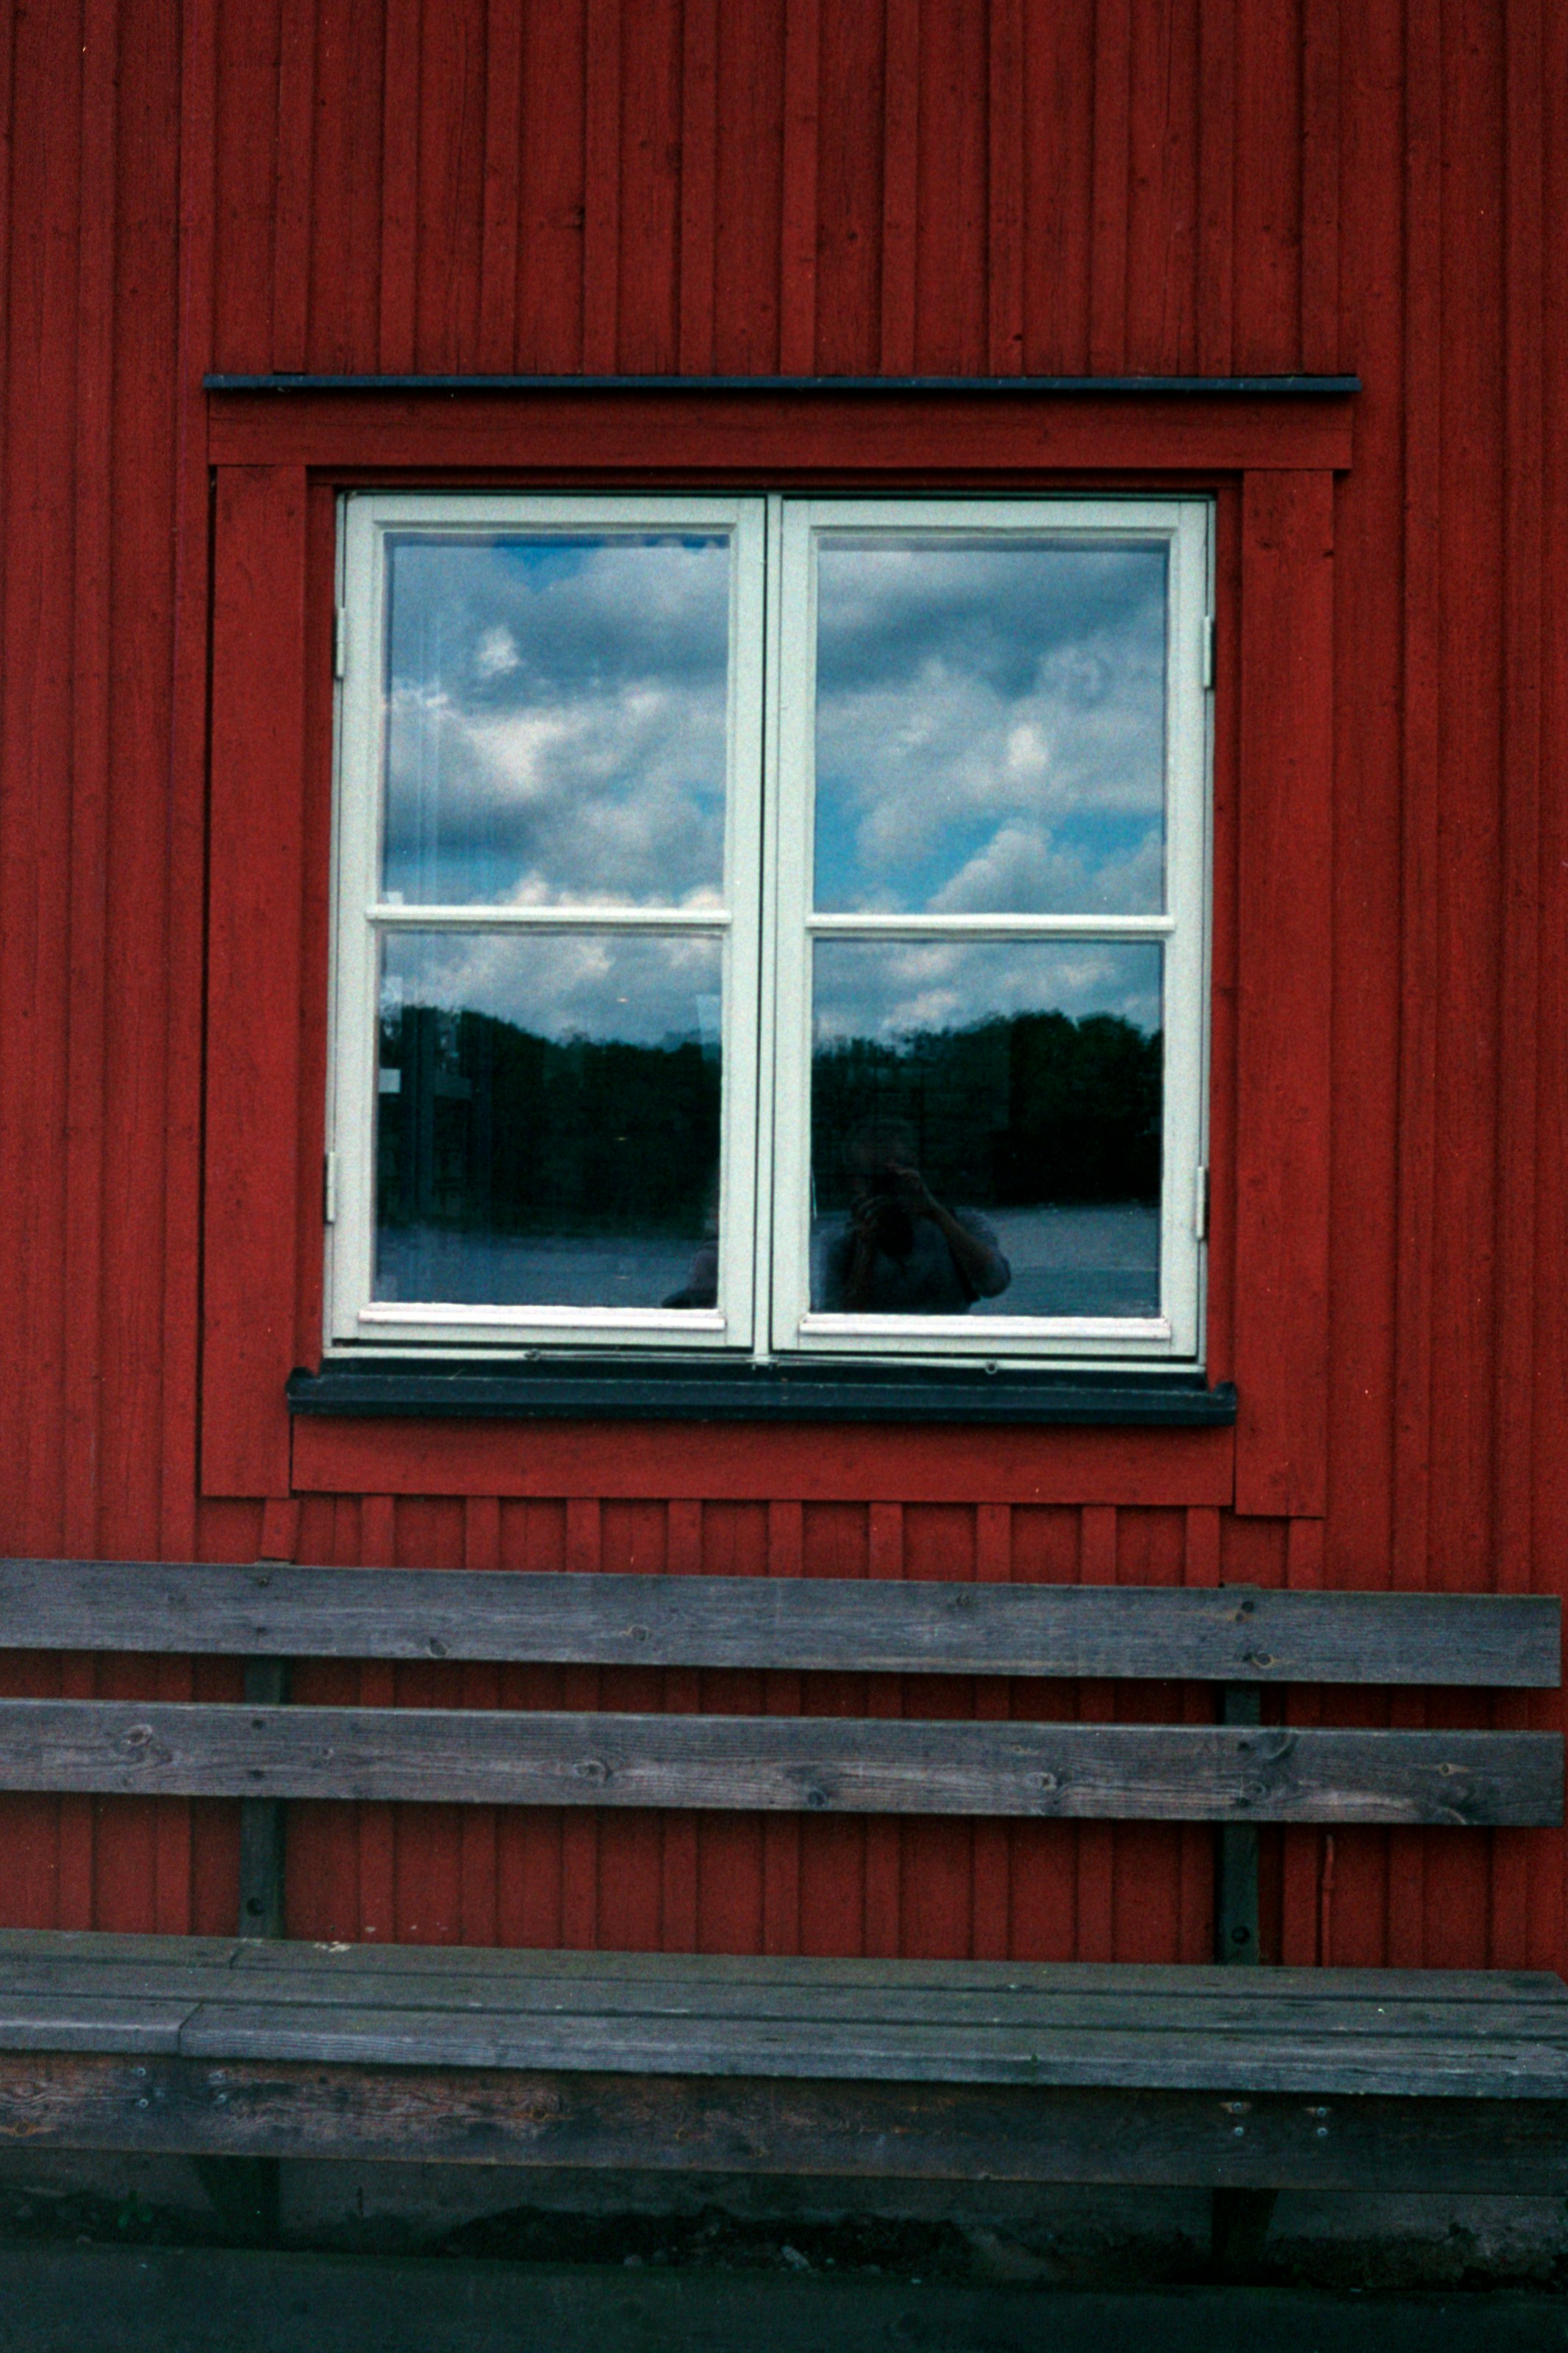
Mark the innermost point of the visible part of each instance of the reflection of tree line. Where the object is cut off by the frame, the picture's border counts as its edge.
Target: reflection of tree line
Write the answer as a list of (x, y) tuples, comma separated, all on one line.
[(1007, 1112), (501, 1130), (497, 1129)]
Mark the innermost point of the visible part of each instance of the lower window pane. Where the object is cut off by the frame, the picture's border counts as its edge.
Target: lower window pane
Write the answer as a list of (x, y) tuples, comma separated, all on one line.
[(547, 1129), (986, 1128)]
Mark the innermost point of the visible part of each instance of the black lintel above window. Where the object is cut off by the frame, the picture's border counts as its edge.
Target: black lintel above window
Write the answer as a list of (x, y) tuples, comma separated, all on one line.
[(624, 1388), (1232, 388)]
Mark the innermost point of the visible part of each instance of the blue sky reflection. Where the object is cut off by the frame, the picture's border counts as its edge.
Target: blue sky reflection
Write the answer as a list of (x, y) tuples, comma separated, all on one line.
[(990, 726)]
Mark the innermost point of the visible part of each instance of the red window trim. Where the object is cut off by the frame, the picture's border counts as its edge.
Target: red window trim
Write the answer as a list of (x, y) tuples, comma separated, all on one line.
[(278, 468)]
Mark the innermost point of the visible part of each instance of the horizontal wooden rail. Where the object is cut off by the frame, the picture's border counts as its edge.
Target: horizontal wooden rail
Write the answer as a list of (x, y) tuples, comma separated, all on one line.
[(1225, 1634), (809, 1763)]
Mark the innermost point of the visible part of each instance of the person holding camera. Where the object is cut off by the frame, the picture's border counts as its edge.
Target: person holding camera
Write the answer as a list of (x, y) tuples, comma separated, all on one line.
[(900, 1251)]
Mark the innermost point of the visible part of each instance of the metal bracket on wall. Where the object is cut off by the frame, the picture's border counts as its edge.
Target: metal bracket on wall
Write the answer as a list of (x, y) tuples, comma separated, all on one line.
[(1240, 2218), (246, 2192), (261, 1831), (1236, 1863)]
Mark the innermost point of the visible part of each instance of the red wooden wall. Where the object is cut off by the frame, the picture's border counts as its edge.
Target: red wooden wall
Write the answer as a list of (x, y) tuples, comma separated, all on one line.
[(1050, 186)]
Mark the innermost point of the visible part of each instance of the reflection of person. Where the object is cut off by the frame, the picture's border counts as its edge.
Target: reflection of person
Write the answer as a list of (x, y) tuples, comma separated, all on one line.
[(901, 1253)]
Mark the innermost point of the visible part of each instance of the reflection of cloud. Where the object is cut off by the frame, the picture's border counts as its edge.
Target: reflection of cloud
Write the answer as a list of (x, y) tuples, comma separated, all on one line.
[(968, 693), (496, 653), (886, 989), (556, 721), (1022, 866), (582, 984)]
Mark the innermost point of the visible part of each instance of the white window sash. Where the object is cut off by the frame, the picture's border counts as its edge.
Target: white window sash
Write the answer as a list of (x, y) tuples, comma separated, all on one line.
[(363, 918), (1175, 1334)]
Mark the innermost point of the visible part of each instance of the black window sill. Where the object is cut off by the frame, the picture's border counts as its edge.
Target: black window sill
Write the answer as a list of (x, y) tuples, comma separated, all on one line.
[(624, 1388)]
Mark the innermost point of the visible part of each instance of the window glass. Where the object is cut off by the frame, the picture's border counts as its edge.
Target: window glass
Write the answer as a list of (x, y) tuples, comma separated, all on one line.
[(547, 1119), (770, 923), (990, 725), (986, 1128), (555, 719)]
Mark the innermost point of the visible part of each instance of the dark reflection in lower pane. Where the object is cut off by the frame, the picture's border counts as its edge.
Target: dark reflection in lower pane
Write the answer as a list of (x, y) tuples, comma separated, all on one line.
[(548, 1121), (986, 1128)]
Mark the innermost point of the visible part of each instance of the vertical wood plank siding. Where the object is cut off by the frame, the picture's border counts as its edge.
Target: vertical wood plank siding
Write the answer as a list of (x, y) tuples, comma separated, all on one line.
[(903, 185)]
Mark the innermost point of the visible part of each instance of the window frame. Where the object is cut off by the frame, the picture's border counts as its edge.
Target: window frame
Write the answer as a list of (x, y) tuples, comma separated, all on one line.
[(354, 1320), (1182, 931), (767, 927)]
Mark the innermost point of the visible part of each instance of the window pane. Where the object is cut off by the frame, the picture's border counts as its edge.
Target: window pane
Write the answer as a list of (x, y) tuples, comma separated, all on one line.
[(548, 1119), (990, 725), (986, 1128), (555, 728)]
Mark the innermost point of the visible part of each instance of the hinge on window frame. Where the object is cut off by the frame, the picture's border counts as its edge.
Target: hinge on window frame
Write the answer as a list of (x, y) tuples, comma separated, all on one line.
[(329, 1188), (1201, 1206), (339, 641), (1208, 652)]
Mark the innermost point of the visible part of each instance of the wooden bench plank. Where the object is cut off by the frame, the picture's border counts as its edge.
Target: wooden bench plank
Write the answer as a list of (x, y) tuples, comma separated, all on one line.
[(1144, 1772), (1154, 2058), (591, 2001), (375, 1964), (709, 2125), (92, 2021), (114, 1945), (1133, 1978), (1224, 1634)]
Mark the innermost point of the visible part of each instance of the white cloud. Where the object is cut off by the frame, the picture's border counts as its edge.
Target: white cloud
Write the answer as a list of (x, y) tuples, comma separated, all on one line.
[(1022, 866), (887, 989), (497, 654), (588, 985)]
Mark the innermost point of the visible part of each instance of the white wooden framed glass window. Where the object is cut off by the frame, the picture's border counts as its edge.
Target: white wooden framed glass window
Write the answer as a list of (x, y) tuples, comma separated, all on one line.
[(771, 924)]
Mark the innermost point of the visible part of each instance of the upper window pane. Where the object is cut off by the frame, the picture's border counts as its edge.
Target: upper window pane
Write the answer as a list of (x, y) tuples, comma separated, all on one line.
[(556, 714), (990, 725)]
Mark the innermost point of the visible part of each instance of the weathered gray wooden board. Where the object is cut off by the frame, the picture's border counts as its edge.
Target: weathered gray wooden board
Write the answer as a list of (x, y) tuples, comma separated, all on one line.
[(112, 1946), (85, 2020), (1226, 1634), (219, 1961), (817, 1764), (278, 2108), (1077, 2026), (811, 1764), (593, 2005), (1138, 1979), (1320, 2061)]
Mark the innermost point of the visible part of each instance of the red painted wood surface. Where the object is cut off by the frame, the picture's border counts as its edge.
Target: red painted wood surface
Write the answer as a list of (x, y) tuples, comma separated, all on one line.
[(1284, 975), (762, 186), (254, 1012)]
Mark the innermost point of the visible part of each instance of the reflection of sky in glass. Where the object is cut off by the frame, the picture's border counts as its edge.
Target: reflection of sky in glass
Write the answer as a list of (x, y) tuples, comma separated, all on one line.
[(555, 727), (595, 984), (990, 726), (885, 991)]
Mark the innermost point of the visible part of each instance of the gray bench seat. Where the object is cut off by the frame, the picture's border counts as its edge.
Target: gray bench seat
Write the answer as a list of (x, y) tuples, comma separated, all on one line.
[(1333, 2078), (259, 2048)]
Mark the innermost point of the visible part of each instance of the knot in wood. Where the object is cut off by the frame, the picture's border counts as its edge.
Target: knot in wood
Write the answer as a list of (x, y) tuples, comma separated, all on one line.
[(592, 1768), (144, 1747)]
